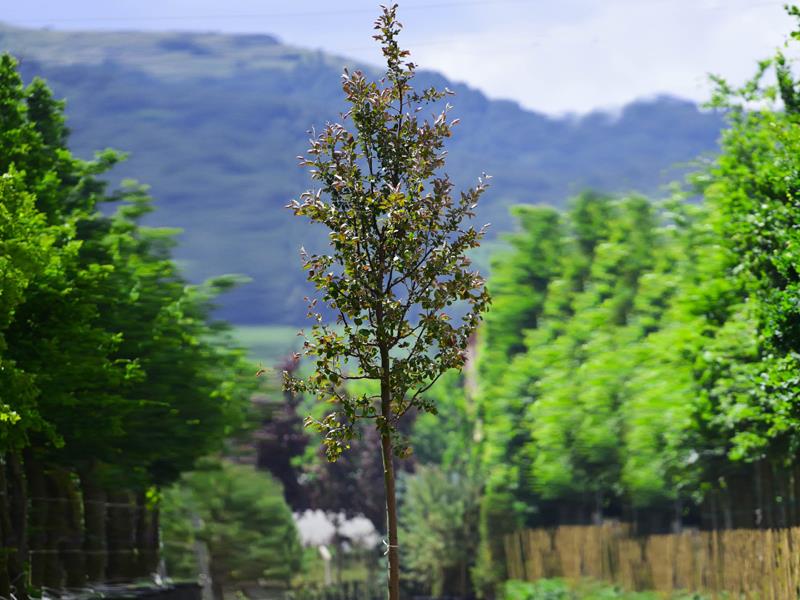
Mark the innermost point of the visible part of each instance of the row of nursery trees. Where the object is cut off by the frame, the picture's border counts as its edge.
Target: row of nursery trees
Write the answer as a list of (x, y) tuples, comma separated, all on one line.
[(113, 377), (642, 359)]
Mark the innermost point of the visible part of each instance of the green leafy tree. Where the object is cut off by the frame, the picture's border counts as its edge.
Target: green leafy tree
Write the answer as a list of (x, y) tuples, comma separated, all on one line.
[(110, 364), (25, 251), (447, 438), (240, 515), (111, 329), (398, 261), (752, 189), (439, 525)]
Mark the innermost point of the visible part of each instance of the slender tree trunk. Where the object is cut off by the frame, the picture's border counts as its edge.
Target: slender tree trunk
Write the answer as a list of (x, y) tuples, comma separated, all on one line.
[(57, 529), (217, 588), (391, 517), (6, 543), (727, 510), (388, 470), (94, 516), (37, 518), (203, 562), (218, 576), (714, 504), (121, 536), (781, 490), (17, 502), (70, 539), (759, 510), (795, 495), (677, 516), (597, 513), (389, 483), (768, 504), (147, 537), (13, 518)]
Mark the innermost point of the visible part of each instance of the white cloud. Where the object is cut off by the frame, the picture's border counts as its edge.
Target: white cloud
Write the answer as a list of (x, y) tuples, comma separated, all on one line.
[(622, 51)]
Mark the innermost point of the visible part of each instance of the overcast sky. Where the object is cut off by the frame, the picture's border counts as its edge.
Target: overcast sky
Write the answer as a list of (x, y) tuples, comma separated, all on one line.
[(556, 56)]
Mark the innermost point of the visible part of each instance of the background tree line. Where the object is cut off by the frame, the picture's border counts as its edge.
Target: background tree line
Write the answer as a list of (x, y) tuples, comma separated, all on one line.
[(641, 358)]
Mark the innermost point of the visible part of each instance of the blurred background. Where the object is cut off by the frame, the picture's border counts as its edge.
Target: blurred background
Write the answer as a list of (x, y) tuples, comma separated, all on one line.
[(630, 398)]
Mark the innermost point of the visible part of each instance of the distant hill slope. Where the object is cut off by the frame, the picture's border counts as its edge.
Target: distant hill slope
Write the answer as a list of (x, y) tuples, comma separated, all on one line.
[(214, 122)]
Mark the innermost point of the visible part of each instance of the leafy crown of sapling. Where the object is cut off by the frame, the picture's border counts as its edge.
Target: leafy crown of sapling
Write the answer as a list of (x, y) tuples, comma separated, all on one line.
[(398, 251)]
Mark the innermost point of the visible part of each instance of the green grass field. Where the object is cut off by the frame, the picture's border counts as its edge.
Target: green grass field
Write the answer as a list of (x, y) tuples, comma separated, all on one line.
[(267, 344)]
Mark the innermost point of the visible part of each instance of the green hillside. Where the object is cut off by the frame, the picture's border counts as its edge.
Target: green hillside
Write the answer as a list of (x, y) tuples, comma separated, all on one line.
[(214, 122)]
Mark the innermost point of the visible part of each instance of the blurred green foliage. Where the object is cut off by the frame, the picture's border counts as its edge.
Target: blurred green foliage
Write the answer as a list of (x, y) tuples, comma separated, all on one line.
[(241, 517), (643, 356), (556, 589), (439, 528)]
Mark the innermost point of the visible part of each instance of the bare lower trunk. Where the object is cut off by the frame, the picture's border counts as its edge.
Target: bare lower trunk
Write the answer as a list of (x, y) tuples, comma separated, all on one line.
[(597, 513), (391, 518), (388, 474), (759, 508), (71, 525), (18, 506), (94, 516), (37, 518), (16, 501), (5, 535), (217, 588), (121, 536), (677, 516), (57, 528), (147, 539)]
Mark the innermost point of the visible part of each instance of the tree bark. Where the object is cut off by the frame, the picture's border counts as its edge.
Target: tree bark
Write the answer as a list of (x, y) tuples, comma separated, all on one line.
[(727, 510), (70, 527), (147, 539), (759, 509), (389, 479), (94, 514), (217, 588), (597, 513), (37, 518), (677, 516), (391, 517), (388, 467), (796, 496), (17, 490), (57, 529), (6, 544), (121, 536)]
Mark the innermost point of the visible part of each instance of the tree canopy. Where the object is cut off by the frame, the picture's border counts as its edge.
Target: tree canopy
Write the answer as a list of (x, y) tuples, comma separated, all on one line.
[(112, 369)]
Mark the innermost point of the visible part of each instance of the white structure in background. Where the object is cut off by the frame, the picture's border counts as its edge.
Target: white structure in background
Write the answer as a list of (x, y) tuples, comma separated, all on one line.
[(315, 528), (360, 531), (319, 529)]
